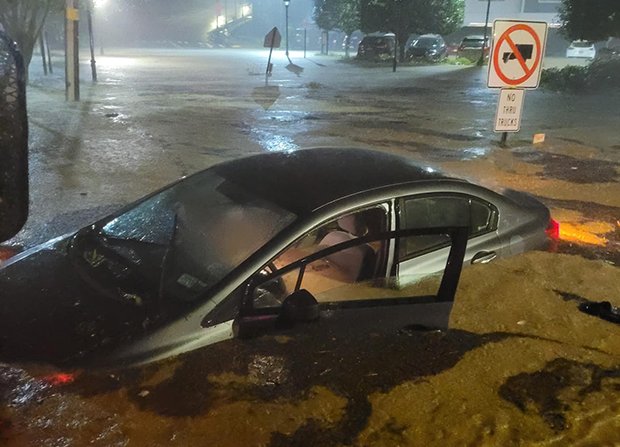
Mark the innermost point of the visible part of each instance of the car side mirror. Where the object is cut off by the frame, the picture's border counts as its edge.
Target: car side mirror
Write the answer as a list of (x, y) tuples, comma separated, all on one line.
[(300, 306)]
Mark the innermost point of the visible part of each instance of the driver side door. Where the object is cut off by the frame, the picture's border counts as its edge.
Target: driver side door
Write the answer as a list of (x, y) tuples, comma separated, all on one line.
[(316, 294)]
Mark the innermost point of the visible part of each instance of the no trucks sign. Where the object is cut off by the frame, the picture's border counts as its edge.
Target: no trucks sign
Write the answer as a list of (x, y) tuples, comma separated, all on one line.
[(517, 54)]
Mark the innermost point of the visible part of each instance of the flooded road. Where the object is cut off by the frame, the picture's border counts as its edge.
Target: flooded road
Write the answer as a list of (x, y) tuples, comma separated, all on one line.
[(522, 365)]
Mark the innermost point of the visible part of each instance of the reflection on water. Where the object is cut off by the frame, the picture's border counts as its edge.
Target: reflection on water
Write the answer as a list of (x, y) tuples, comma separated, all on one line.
[(273, 142)]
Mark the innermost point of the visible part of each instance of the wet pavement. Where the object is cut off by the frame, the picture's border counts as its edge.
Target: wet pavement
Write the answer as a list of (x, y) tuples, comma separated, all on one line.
[(521, 364)]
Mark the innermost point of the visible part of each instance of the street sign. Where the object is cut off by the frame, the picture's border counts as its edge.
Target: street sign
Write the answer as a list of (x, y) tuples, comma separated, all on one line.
[(273, 39), (509, 110), (517, 54)]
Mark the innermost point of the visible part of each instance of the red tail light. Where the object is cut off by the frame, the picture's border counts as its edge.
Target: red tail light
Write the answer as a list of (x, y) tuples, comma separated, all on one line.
[(58, 379), (7, 252), (553, 229)]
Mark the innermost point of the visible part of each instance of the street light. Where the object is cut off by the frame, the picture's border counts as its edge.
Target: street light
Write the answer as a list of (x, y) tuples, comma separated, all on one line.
[(286, 3)]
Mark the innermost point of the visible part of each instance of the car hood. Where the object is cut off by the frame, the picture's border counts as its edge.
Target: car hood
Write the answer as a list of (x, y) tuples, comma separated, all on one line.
[(48, 313)]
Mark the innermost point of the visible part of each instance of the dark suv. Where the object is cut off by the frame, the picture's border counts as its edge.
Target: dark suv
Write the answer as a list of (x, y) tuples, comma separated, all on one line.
[(430, 47), (377, 47)]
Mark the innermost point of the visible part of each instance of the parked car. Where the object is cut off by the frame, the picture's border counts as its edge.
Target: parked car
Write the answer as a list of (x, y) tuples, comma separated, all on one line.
[(256, 242), (377, 46), (356, 38), (581, 48), (471, 47), (430, 47)]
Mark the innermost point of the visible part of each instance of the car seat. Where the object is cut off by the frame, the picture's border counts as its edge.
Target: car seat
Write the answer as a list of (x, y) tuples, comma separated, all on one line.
[(356, 263)]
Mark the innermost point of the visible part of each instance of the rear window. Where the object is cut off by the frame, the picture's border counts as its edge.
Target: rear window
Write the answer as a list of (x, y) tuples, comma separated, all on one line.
[(472, 43), (374, 41), (582, 44)]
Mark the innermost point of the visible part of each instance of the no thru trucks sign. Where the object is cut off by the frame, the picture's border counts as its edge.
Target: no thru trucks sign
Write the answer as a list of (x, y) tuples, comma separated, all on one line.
[(509, 110)]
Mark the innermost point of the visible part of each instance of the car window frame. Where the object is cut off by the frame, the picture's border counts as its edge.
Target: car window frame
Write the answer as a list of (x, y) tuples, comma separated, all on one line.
[(445, 293), (399, 206), (387, 204)]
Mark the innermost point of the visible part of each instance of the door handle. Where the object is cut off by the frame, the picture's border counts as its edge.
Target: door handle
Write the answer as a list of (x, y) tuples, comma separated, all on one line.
[(483, 257)]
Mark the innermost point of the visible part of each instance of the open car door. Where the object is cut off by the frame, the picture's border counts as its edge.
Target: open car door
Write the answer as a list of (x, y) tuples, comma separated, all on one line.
[(317, 294)]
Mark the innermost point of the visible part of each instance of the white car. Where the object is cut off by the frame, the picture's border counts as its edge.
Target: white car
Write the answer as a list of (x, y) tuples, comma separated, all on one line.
[(581, 48)]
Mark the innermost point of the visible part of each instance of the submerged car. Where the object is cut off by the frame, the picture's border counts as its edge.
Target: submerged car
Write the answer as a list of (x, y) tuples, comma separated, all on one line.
[(430, 47), (582, 49), (252, 244)]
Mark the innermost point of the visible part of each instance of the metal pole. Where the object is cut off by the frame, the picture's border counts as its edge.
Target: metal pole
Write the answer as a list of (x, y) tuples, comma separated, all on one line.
[(395, 54), (93, 62), (327, 42), (305, 41), (286, 7), (269, 67), (42, 44), (72, 60), (486, 26), (503, 141), (49, 54)]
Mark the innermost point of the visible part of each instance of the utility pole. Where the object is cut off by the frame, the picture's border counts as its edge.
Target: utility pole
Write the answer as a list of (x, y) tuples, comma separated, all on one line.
[(484, 42), (91, 38), (72, 59), (286, 4)]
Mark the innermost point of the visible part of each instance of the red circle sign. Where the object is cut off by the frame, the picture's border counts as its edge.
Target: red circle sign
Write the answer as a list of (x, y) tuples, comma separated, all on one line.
[(529, 71)]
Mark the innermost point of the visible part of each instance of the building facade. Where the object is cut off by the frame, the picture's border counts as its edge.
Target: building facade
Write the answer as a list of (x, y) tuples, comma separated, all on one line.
[(542, 10)]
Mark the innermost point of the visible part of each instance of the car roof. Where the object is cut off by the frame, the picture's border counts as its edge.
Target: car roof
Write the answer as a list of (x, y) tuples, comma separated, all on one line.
[(305, 180)]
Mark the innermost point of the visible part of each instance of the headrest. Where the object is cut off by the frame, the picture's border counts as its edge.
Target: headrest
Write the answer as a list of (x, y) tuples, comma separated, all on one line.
[(352, 224)]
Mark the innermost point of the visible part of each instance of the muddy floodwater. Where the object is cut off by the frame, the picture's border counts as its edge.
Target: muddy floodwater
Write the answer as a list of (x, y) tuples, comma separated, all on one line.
[(522, 365)]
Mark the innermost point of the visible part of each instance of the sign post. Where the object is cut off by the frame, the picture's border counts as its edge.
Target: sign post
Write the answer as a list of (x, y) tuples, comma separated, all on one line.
[(272, 40), (515, 65)]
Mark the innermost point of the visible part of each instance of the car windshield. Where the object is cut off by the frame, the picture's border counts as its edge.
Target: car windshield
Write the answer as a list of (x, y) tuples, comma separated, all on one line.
[(197, 231), (425, 42), (581, 44)]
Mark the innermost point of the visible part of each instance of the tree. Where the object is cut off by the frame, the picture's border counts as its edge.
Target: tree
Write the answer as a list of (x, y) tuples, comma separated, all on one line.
[(338, 14), (23, 21), (349, 20), (590, 19), (405, 17)]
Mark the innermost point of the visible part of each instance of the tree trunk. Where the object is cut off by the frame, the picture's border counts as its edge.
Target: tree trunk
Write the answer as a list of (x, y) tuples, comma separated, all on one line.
[(347, 42)]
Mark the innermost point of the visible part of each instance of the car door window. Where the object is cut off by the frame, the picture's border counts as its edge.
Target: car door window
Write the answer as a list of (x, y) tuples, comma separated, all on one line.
[(349, 274), (442, 210), (367, 221)]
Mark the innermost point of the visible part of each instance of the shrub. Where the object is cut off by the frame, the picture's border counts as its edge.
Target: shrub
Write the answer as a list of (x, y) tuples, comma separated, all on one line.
[(602, 74)]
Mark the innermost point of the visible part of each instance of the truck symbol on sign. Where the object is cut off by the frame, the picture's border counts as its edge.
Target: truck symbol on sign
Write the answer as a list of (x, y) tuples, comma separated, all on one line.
[(525, 50)]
